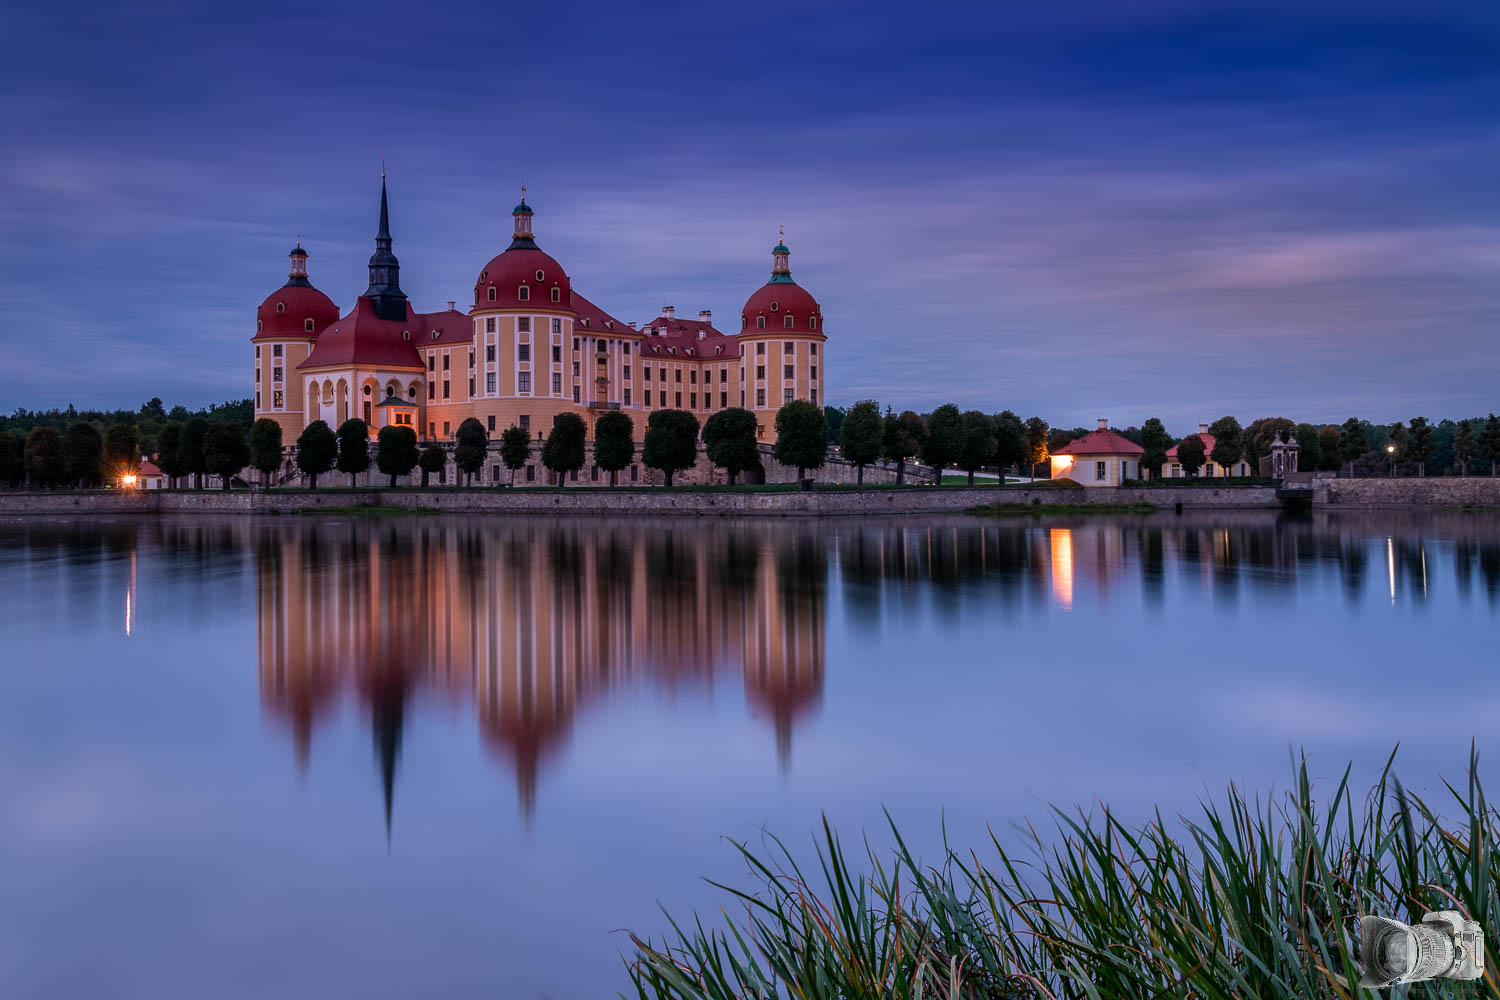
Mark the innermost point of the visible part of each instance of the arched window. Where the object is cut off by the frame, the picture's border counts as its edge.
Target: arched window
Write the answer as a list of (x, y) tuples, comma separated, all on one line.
[(260, 326), (524, 293), (812, 322), (760, 322), (492, 293), (786, 321), (556, 293), (307, 325), (541, 275), (281, 307)]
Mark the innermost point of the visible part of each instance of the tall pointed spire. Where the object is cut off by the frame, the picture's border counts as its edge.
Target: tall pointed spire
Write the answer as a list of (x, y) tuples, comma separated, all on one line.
[(385, 270)]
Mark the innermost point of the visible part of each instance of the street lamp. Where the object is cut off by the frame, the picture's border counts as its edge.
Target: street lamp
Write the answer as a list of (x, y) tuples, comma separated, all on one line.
[(1390, 450)]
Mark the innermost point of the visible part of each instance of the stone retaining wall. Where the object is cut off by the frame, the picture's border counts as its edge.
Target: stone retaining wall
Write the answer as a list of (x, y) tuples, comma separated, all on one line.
[(1434, 491), (607, 501)]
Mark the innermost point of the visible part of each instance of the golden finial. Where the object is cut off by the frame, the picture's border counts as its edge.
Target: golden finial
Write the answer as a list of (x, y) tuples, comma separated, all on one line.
[(382, 166), (523, 190)]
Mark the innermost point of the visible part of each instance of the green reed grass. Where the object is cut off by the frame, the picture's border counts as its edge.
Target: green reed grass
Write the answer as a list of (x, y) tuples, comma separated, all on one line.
[(1247, 899)]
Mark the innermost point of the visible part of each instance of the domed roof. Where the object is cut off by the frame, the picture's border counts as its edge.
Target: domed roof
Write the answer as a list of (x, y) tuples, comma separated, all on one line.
[(780, 298), (285, 312), (536, 270)]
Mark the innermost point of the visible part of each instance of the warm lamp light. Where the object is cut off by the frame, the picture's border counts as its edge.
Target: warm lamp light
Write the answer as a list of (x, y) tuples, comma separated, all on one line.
[(1390, 449), (127, 480)]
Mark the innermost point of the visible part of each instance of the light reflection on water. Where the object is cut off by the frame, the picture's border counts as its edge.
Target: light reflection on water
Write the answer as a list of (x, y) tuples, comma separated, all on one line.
[(451, 755)]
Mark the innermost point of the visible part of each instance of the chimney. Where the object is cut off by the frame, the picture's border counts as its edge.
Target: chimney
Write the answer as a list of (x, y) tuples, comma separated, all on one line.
[(670, 312), (631, 324), (1202, 428), (705, 316), (1104, 423)]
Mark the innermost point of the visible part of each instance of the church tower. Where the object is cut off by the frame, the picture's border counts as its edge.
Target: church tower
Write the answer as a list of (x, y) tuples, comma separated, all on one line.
[(385, 270)]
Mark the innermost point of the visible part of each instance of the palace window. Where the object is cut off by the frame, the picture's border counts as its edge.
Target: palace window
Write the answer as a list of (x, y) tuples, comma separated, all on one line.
[(815, 397), (760, 348), (446, 359), (523, 352), (445, 392), (489, 352), (625, 349), (260, 325), (677, 400), (634, 473), (814, 375), (760, 371), (627, 397), (492, 293), (556, 296), (557, 353), (431, 390), (525, 424), (663, 373), (275, 374), (786, 321), (788, 397), (277, 399), (692, 400), (760, 397), (812, 322), (760, 322), (812, 349), (693, 376), (446, 431), (367, 411), (523, 382), (723, 400), (723, 375), (281, 307), (677, 375), (524, 293), (662, 395), (276, 350), (307, 325), (556, 383), (627, 373), (523, 324), (489, 385), (531, 473), (787, 347), (471, 357), (471, 386), (489, 324), (556, 324), (492, 423), (257, 400), (575, 394), (575, 369), (786, 371), (257, 375)]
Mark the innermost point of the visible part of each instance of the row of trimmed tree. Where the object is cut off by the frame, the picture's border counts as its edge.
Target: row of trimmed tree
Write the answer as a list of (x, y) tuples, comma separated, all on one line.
[(81, 457), (946, 438)]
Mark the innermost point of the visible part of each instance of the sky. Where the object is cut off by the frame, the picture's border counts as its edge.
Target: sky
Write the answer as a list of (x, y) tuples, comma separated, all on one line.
[(1174, 209)]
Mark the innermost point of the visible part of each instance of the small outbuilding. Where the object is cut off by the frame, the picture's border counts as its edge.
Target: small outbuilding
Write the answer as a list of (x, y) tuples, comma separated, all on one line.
[(1100, 458)]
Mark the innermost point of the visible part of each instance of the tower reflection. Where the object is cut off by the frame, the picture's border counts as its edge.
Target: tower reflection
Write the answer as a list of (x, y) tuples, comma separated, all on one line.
[(530, 621)]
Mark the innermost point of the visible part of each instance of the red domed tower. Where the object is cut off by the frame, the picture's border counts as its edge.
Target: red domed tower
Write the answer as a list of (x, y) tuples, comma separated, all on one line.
[(286, 325), (781, 345)]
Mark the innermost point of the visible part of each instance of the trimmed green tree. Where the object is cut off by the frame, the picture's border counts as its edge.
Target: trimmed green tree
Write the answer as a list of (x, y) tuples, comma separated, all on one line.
[(396, 451), (1011, 448), (190, 454), (354, 448), (1489, 443), (122, 455), (1310, 450), (979, 444), (729, 440), (12, 460), (801, 438), (1229, 443), (265, 448), (471, 446), (1036, 445), (1419, 434), (614, 443), (1191, 454), (169, 453), (1464, 446), (433, 460), (1352, 442), (1156, 441), (566, 446), (902, 439), (317, 449), (863, 436), (44, 457), (1261, 434), (83, 454), (225, 450), (515, 450), (945, 440), (671, 442)]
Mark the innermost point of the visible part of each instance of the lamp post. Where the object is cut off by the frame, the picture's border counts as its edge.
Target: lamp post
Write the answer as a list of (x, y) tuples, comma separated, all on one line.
[(1390, 450)]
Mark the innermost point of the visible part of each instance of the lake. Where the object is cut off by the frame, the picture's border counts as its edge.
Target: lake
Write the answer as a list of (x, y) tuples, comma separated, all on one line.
[(456, 756)]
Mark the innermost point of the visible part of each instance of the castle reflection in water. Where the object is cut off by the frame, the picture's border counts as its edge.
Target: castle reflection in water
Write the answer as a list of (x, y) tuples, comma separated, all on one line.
[(530, 620)]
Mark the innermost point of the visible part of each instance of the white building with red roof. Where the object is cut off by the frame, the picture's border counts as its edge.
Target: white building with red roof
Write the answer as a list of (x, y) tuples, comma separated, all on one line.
[(1101, 457), (1173, 468)]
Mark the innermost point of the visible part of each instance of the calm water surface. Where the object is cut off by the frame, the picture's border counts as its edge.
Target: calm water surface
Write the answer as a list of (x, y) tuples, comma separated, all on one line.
[(315, 757)]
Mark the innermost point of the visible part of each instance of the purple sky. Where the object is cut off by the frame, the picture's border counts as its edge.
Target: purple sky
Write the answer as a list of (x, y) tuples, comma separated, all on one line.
[(1179, 209)]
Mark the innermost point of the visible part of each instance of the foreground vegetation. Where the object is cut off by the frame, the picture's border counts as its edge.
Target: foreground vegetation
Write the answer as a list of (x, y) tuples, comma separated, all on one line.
[(1248, 899)]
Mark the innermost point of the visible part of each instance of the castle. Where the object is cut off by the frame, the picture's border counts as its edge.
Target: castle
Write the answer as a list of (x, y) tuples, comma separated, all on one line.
[(530, 348)]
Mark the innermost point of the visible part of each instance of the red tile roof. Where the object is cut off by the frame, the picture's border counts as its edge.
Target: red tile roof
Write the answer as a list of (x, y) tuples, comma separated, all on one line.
[(777, 300), (682, 341), (299, 303), (148, 468), (451, 327), (595, 321), (508, 271), (1208, 445), (363, 338), (1105, 442)]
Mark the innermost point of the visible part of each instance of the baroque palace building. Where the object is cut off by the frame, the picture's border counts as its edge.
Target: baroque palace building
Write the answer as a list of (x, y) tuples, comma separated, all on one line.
[(530, 348)]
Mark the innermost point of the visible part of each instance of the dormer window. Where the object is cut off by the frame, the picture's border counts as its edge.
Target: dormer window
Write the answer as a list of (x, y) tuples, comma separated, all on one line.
[(812, 322), (260, 326), (484, 276), (541, 275), (524, 293), (434, 335), (307, 325), (609, 324), (556, 292), (281, 307), (492, 293), (775, 306), (405, 334), (719, 349), (760, 322), (786, 321)]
